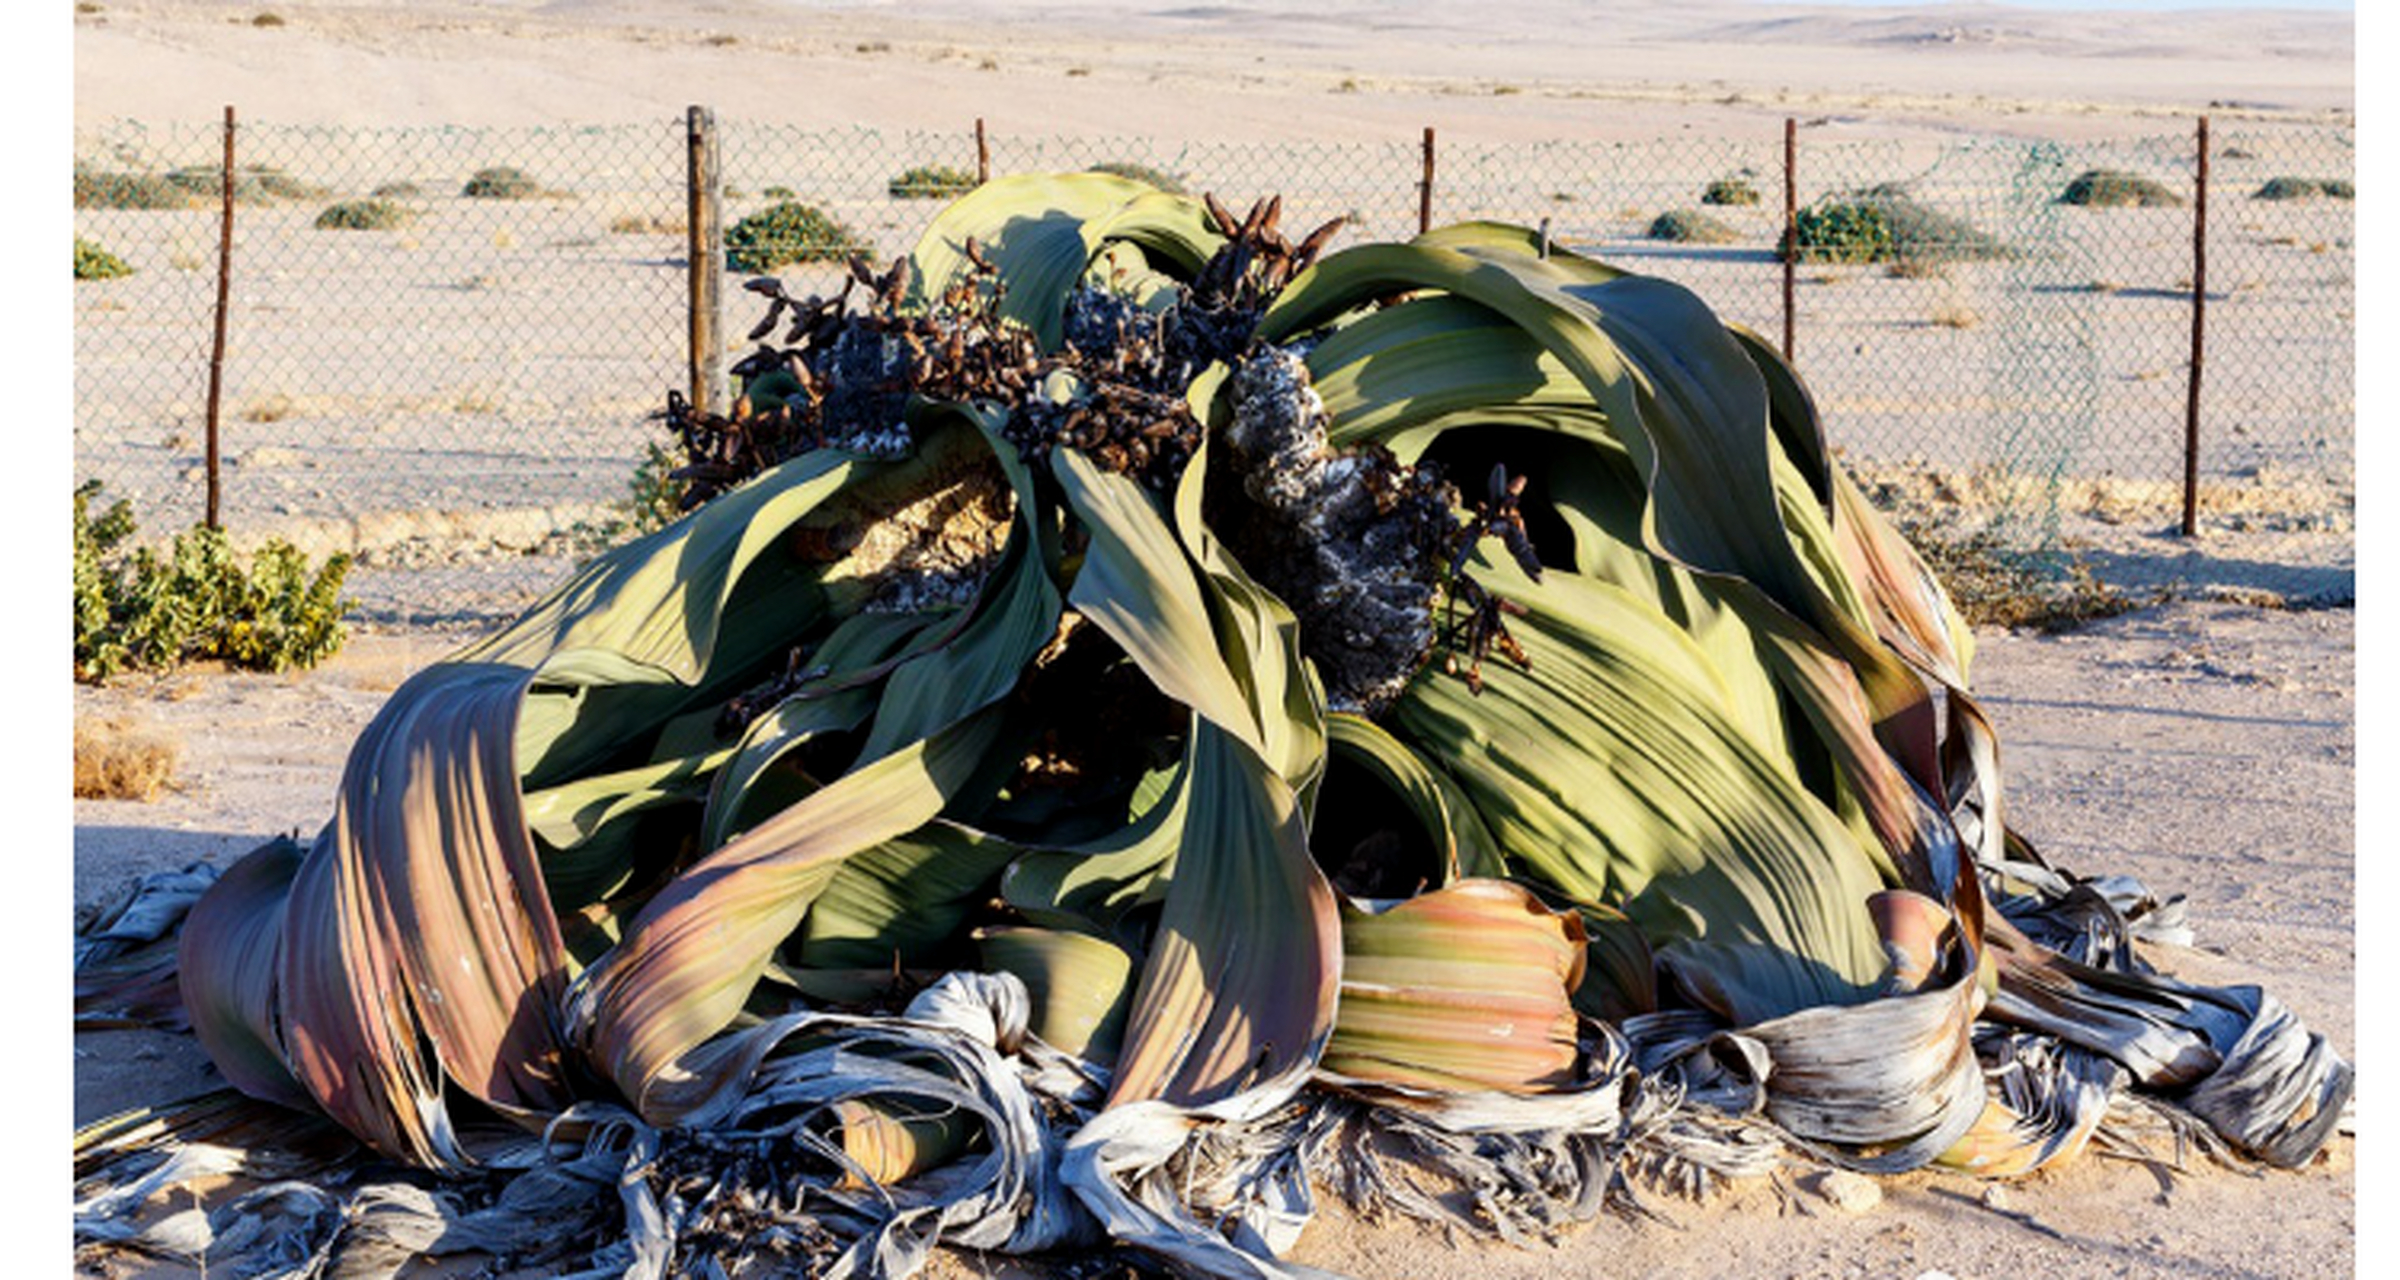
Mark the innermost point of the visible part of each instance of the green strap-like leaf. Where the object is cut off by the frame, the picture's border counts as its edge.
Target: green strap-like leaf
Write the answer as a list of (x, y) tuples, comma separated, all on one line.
[(1612, 770), (1259, 639), (1012, 616), (226, 962), (852, 659), (1244, 969), (1042, 231), (421, 917), (1138, 585), (628, 639), (1440, 808), (1682, 394), (692, 956), (1093, 885), (903, 901), (1080, 985), (1465, 988)]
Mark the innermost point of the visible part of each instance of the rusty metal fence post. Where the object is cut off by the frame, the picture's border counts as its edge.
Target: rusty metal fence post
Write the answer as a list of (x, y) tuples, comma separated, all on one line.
[(1425, 188), (2191, 402), (216, 348), (1791, 224), (704, 242), (983, 154)]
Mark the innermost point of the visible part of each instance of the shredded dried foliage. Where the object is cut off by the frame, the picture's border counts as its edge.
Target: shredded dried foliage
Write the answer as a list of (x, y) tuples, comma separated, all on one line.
[(1997, 584)]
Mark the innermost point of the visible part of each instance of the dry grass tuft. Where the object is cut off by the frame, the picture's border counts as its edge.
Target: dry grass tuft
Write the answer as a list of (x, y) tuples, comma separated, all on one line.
[(116, 760), (1954, 313), (646, 224), (269, 408)]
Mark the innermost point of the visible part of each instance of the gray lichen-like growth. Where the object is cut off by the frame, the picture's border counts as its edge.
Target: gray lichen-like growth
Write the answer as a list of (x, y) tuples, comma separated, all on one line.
[(867, 384), (1101, 324), (1352, 540)]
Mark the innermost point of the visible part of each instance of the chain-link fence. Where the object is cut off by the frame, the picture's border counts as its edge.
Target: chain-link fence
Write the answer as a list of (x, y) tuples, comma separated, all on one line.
[(442, 345)]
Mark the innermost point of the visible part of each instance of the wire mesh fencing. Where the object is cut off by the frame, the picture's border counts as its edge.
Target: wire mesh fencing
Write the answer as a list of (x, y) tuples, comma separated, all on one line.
[(443, 346), (441, 343)]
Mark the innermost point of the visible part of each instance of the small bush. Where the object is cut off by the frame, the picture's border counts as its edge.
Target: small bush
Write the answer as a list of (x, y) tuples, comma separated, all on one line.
[(780, 193), (252, 184), (95, 263), (2287, 188), (654, 497), (789, 232), (147, 611), (267, 20), (1730, 191), (1843, 231), (1953, 313), (645, 224), (116, 760), (2114, 189), (365, 215), (931, 182), (273, 407), (1994, 584), (99, 189), (401, 190), (1882, 224), (1160, 179), (1684, 226), (502, 182)]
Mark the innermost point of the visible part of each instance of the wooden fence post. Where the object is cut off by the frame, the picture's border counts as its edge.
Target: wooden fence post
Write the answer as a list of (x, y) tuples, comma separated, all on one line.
[(704, 247), (1791, 224), (216, 350), (2191, 400), (1425, 188), (983, 155)]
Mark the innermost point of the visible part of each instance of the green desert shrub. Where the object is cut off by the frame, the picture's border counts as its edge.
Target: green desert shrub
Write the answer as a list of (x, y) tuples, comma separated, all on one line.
[(365, 215), (93, 262), (1730, 191), (252, 184), (2114, 188), (105, 189), (1884, 224), (1843, 231), (502, 182), (1158, 178), (1685, 226), (789, 232), (2288, 188), (931, 182), (196, 601), (399, 190)]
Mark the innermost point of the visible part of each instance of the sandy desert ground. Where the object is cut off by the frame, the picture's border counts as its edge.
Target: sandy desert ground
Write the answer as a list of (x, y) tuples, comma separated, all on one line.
[(2207, 747)]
